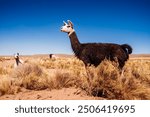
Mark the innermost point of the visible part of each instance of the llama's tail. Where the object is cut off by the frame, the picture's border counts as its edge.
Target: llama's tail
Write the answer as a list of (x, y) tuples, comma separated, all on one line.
[(127, 48)]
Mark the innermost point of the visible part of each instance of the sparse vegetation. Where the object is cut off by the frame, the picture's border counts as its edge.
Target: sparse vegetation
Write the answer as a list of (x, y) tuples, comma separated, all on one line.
[(110, 83), (107, 80), (5, 85), (30, 76)]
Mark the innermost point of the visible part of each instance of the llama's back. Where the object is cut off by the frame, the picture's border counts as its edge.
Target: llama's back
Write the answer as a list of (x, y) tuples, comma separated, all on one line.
[(97, 52), (107, 47)]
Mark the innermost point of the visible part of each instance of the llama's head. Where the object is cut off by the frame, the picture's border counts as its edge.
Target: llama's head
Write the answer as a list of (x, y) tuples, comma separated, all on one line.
[(16, 55), (67, 27)]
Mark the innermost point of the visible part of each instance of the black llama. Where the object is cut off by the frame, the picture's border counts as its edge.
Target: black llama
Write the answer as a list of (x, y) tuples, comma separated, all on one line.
[(95, 53)]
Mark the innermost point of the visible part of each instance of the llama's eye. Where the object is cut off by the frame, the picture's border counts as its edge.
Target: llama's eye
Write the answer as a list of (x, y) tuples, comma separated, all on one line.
[(68, 26)]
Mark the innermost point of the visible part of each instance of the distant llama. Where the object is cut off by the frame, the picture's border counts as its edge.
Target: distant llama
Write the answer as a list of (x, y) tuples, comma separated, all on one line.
[(50, 56), (53, 56), (95, 53), (18, 61)]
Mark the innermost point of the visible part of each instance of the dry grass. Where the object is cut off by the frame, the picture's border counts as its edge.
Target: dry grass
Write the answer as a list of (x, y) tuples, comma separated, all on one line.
[(133, 82), (63, 80), (5, 85), (109, 82), (31, 77)]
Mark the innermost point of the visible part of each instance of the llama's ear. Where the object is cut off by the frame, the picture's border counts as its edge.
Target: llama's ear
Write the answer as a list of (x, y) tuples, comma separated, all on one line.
[(70, 23), (64, 23)]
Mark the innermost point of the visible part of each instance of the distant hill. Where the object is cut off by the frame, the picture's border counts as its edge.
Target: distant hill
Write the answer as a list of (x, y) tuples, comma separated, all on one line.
[(140, 55), (71, 55)]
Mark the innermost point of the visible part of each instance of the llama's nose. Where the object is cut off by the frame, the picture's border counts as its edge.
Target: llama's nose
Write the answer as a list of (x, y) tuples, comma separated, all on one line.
[(61, 28)]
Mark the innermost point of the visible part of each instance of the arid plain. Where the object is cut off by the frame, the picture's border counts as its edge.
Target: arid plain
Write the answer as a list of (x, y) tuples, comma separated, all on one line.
[(65, 77)]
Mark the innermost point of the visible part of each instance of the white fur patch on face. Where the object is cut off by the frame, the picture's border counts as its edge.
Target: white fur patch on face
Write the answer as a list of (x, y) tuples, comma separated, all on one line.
[(15, 56), (66, 28)]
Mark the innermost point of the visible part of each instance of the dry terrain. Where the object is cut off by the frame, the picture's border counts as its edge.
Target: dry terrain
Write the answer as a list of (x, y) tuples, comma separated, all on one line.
[(65, 77)]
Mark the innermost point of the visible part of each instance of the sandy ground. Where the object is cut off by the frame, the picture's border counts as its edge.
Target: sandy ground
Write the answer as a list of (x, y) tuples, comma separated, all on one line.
[(62, 94)]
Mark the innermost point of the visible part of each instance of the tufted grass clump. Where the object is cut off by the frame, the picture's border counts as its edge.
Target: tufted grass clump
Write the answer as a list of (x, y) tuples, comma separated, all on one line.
[(109, 82), (31, 77)]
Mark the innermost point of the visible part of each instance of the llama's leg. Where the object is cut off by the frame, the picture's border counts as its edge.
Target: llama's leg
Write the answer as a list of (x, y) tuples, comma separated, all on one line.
[(17, 62), (121, 63), (88, 75), (121, 70), (87, 62), (89, 80)]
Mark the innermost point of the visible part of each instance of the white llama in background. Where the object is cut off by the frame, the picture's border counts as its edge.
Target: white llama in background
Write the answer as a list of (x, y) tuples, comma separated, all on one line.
[(53, 56), (18, 60)]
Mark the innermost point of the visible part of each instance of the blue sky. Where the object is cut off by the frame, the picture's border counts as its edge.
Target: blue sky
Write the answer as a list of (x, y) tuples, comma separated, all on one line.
[(33, 26)]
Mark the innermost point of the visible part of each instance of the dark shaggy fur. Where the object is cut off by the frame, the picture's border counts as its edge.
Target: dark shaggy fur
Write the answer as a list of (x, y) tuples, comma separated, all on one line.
[(95, 53)]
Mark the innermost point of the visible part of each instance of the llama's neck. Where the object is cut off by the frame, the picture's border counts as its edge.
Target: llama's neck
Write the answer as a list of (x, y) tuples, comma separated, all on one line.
[(17, 61), (76, 46)]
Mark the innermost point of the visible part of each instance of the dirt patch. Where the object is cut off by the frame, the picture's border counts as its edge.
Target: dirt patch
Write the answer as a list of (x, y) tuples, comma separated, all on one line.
[(62, 94)]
